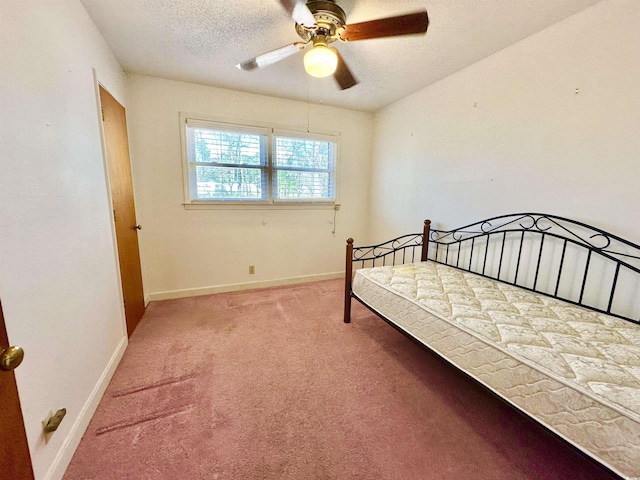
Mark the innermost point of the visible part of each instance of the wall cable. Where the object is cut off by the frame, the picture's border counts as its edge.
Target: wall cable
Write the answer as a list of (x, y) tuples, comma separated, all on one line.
[(335, 211)]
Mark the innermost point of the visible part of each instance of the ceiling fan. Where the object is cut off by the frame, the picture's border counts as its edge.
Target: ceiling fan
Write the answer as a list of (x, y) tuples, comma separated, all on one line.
[(322, 22)]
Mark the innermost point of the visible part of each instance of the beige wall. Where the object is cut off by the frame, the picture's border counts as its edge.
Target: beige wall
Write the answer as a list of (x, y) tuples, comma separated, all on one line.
[(58, 276), (549, 125), (189, 252)]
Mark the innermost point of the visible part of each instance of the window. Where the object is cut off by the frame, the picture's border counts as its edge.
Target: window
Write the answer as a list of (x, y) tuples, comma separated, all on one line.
[(228, 163), (304, 168)]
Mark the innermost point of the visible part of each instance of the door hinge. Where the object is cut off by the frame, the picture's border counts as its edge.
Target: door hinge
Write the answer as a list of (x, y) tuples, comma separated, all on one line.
[(102, 111), (114, 215)]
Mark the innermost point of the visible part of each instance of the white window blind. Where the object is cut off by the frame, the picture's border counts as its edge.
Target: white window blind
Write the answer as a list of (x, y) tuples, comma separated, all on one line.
[(226, 162), (304, 168)]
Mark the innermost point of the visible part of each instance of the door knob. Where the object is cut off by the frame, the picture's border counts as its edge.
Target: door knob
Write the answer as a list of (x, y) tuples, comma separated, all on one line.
[(10, 358), (138, 227)]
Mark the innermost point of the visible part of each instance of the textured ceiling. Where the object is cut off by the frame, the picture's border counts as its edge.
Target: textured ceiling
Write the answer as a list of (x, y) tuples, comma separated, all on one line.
[(201, 41)]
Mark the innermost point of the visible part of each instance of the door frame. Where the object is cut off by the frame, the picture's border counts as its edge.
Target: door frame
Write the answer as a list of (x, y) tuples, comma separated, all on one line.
[(114, 239)]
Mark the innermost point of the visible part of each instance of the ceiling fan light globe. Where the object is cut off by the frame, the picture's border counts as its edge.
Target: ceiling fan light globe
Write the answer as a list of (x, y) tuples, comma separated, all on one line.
[(320, 61)]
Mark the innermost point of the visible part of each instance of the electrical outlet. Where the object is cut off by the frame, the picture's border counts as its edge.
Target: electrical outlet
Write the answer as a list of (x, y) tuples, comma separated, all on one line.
[(252, 269)]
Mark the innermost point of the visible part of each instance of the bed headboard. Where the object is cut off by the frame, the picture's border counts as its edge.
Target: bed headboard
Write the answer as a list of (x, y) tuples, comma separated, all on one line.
[(552, 255)]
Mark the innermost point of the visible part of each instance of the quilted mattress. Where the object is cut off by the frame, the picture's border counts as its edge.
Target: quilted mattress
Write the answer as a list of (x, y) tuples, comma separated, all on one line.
[(574, 370)]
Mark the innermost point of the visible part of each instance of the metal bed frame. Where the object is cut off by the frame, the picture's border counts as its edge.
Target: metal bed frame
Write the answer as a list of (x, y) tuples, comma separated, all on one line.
[(534, 251), (555, 256)]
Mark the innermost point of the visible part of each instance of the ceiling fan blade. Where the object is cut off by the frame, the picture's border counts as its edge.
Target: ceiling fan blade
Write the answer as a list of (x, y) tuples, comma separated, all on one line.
[(387, 27), (299, 11), (343, 75), (272, 57)]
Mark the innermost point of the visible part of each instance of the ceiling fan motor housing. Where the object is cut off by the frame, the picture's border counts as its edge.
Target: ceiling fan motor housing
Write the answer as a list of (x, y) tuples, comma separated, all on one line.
[(330, 21)]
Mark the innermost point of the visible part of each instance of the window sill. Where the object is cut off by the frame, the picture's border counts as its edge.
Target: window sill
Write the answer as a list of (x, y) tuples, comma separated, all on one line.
[(261, 206)]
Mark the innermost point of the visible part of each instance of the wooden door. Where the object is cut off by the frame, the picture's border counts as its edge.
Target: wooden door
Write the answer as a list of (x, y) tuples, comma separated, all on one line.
[(117, 146), (15, 461)]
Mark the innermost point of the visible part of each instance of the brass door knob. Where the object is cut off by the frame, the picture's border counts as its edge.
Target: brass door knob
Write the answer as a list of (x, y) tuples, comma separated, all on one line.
[(10, 358)]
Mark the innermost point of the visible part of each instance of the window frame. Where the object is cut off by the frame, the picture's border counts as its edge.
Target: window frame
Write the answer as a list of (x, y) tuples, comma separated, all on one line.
[(268, 134)]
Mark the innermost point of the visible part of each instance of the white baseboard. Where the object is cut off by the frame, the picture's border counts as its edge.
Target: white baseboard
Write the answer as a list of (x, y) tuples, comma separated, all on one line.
[(70, 444), (194, 292)]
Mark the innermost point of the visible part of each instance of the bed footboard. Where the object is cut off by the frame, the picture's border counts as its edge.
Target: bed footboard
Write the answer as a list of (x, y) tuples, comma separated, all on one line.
[(348, 279), (399, 250)]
